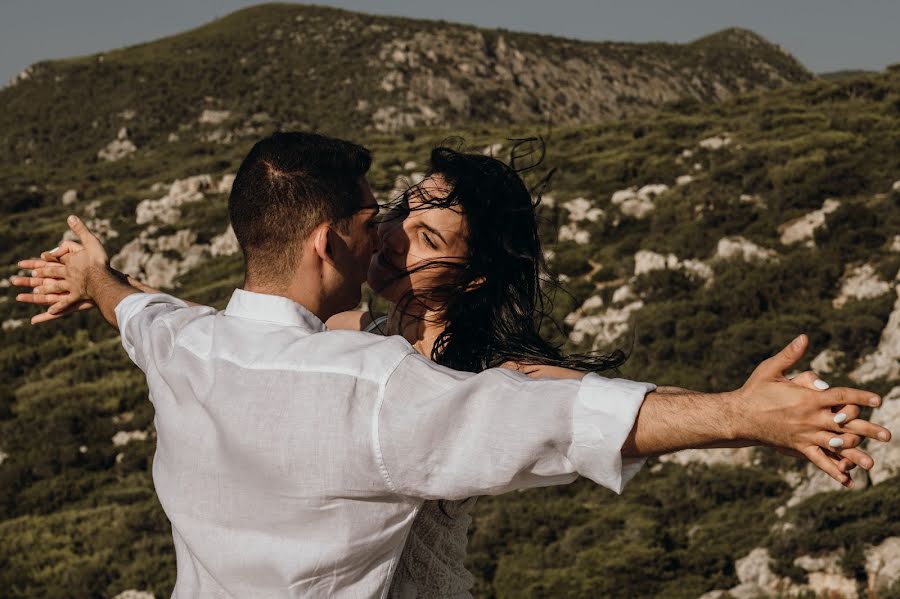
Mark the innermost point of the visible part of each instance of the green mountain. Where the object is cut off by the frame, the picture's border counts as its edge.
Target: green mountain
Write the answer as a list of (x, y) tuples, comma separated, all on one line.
[(293, 67), (699, 237)]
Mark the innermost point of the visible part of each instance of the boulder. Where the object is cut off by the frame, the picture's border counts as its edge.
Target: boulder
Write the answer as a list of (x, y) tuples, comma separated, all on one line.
[(118, 148), (884, 362), (739, 247), (886, 455), (214, 117), (582, 209), (225, 244), (738, 456), (134, 594), (883, 565), (716, 142), (125, 437), (826, 360), (803, 228), (69, 197), (860, 282), (605, 328)]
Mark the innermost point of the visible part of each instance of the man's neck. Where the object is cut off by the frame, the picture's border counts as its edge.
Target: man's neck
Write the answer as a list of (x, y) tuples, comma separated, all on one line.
[(311, 301)]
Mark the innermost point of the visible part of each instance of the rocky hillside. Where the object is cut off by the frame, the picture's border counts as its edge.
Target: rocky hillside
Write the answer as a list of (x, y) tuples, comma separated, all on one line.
[(698, 238), (290, 66)]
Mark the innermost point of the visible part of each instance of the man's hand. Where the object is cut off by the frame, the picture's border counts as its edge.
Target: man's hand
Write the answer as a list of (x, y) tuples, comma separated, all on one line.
[(786, 414), (79, 277), (767, 410), (47, 291)]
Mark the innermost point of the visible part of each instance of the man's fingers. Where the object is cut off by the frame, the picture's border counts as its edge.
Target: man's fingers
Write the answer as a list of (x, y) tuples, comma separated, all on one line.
[(66, 247), (837, 396), (777, 365), (817, 456), (84, 234)]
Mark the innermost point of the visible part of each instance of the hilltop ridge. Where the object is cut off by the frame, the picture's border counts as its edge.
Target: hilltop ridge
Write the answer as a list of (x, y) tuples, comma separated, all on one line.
[(292, 66)]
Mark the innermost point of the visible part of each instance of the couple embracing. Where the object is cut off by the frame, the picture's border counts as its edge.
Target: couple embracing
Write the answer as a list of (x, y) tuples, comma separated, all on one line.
[(305, 449)]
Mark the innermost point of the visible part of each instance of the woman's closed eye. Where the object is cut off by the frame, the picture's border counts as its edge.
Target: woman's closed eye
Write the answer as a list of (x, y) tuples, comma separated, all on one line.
[(429, 241)]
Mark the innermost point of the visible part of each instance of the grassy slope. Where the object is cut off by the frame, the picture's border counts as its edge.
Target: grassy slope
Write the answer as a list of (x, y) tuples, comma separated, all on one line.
[(86, 524)]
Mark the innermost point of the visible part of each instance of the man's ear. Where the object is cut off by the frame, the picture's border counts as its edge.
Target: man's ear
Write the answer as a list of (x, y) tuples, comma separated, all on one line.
[(323, 242)]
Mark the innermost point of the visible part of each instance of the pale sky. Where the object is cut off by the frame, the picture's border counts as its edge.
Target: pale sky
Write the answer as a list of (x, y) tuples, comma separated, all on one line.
[(825, 35)]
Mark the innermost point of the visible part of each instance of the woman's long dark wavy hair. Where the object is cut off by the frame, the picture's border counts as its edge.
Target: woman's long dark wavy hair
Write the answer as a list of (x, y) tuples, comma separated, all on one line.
[(494, 304)]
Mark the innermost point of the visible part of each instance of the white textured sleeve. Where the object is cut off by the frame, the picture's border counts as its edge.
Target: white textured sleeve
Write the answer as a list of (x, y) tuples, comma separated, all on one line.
[(146, 336), (447, 434)]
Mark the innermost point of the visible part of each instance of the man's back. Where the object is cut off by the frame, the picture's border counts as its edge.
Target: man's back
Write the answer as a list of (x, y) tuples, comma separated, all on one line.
[(265, 463)]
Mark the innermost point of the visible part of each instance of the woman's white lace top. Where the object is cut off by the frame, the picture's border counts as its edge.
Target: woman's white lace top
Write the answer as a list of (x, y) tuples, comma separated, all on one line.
[(431, 564)]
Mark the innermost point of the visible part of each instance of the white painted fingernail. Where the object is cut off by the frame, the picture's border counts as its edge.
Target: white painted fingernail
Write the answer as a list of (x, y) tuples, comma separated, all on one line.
[(820, 384), (840, 417), (836, 442), (54, 249)]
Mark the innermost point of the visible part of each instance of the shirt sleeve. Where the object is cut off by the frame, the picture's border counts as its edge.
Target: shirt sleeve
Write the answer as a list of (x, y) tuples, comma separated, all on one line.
[(446, 434), (146, 336)]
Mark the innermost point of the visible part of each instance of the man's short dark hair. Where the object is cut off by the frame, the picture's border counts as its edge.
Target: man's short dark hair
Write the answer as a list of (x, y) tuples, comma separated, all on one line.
[(288, 184)]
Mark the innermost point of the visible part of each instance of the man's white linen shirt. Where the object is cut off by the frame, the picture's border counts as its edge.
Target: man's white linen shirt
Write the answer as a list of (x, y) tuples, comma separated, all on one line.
[(292, 460)]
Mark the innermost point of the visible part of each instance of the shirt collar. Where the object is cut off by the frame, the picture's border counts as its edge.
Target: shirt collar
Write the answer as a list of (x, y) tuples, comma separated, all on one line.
[(272, 308)]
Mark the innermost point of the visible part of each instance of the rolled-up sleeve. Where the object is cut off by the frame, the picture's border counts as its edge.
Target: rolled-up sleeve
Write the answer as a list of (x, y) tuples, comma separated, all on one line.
[(146, 336), (446, 434)]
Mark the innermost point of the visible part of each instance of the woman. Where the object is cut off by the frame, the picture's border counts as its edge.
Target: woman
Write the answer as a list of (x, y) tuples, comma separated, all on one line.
[(460, 260)]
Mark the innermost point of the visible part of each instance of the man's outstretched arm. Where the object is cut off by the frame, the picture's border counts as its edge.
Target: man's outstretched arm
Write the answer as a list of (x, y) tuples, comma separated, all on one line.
[(767, 410)]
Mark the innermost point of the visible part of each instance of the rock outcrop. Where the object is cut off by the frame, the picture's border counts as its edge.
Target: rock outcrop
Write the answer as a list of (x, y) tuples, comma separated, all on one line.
[(804, 227), (886, 455), (884, 362), (860, 282), (118, 148)]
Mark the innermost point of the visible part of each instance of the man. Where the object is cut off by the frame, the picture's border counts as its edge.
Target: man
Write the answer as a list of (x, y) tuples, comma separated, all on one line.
[(292, 460)]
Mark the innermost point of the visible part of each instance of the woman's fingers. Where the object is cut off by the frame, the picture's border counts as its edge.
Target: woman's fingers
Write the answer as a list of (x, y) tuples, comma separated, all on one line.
[(858, 457), (810, 380), (844, 414), (865, 428), (46, 316), (27, 281), (836, 442), (52, 286), (41, 299), (817, 456)]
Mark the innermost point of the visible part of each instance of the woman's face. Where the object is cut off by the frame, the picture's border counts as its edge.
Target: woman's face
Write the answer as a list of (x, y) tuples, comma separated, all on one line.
[(416, 244)]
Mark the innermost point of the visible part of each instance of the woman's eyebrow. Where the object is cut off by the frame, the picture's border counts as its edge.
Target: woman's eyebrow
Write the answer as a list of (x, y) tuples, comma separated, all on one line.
[(436, 232)]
